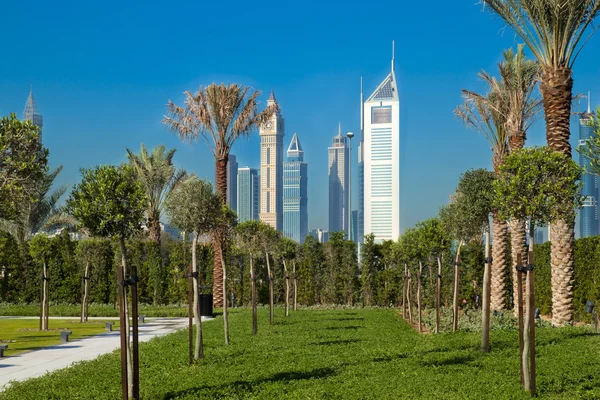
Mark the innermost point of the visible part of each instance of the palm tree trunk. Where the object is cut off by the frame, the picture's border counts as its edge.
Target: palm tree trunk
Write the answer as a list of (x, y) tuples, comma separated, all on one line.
[(270, 277), (253, 281), (154, 227), (199, 346), (218, 241), (518, 246), (498, 272), (557, 92)]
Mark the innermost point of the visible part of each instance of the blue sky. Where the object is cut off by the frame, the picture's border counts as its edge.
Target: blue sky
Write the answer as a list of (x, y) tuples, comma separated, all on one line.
[(102, 72)]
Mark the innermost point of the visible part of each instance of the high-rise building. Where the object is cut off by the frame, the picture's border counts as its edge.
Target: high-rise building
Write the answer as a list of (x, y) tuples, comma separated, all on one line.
[(248, 194), (381, 150), (31, 113), (354, 226), (321, 235), (360, 218), (232, 172), (588, 214), (271, 167), (339, 172), (295, 193)]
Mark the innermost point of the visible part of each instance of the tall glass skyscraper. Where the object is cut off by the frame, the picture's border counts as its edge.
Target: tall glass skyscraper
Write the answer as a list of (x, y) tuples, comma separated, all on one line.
[(232, 172), (588, 214), (339, 171), (295, 193), (31, 113), (248, 194), (360, 217)]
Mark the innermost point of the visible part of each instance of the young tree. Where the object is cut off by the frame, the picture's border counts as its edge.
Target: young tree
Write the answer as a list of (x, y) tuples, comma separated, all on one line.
[(555, 31), (41, 249), (109, 202), (288, 251), (224, 228), (193, 207), (270, 243), (218, 115), (538, 184), (370, 260)]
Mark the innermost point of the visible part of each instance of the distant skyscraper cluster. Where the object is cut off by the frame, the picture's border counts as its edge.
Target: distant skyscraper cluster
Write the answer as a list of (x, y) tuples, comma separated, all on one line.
[(589, 213)]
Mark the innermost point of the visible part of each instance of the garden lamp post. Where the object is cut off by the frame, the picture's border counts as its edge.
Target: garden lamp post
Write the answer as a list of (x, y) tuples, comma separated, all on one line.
[(589, 308), (350, 136)]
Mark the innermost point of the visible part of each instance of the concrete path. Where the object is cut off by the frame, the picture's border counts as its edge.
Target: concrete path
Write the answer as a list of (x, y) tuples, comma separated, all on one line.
[(38, 362)]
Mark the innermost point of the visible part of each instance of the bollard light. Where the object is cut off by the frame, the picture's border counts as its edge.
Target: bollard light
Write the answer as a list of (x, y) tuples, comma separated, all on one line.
[(511, 301), (589, 307), (536, 313)]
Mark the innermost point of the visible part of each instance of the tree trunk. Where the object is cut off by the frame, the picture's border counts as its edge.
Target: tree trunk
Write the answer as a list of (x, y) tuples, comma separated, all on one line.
[(404, 290), (270, 289), (253, 281), (199, 345), (529, 334), (485, 314), (122, 295), (518, 247), (126, 314), (225, 316), (419, 294), (190, 302), (498, 270), (520, 315), (438, 295), (219, 242), (557, 92), (45, 297), (409, 295), (287, 289), (456, 288), (86, 293), (295, 286)]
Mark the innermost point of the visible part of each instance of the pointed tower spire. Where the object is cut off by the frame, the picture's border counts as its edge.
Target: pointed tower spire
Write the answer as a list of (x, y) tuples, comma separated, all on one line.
[(272, 96), (31, 113), (589, 104), (339, 129), (362, 110), (393, 58)]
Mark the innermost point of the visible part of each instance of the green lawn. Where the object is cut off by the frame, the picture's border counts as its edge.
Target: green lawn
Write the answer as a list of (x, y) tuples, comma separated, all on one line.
[(336, 354), (27, 336)]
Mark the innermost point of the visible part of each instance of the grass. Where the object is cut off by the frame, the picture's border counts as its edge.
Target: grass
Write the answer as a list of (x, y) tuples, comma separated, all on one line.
[(24, 334), (94, 310), (335, 354)]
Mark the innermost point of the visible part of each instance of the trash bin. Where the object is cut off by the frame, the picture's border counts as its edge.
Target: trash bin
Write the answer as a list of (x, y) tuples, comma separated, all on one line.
[(206, 305)]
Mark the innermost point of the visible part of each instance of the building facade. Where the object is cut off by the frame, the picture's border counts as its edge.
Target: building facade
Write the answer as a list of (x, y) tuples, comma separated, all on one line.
[(271, 167), (295, 193), (248, 194), (381, 149), (588, 214), (339, 163), (31, 113), (360, 217), (232, 173)]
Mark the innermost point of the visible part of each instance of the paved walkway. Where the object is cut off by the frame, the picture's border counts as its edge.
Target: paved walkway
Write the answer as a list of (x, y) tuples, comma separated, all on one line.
[(38, 362)]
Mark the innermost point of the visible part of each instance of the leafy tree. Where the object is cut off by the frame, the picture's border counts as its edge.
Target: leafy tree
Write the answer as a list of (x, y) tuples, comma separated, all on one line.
[(538, 184), (555, 31), (218, 115), (41, 250), (193, 207), (270, 242), (370, 264), (159, 178), (311, 272), (109, 202), (23, 163), (11, 273), (288, 252)]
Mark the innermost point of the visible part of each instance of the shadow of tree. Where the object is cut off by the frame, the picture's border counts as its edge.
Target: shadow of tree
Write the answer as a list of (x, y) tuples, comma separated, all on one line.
[(354, 327), (449, 361), (339, 341), (391, 358), (239, 388)]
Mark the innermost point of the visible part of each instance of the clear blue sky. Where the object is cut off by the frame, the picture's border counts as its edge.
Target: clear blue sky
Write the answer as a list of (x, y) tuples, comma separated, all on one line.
[(102, 73)]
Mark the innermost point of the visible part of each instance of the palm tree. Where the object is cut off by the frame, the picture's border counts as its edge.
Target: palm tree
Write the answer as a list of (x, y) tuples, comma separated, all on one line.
[(519, 78), (555, 31), (486, 114), (218, 115), (159, 177), (41, 215)]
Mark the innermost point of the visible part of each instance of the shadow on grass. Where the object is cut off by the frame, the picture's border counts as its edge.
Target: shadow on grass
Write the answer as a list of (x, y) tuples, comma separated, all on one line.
[(458, 360), (346, 319), (5, 365), (339, 341), (239, 388), (354, 327), (391, 358)]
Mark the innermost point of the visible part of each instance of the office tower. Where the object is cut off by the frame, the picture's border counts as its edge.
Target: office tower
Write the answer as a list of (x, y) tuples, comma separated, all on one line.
[(248, 194), (321, 235), (360, 219), (382, 160), (232, 172), (588, 214), (295, 193), (31, 113), (271, 167), (354, 226), (338, 182)]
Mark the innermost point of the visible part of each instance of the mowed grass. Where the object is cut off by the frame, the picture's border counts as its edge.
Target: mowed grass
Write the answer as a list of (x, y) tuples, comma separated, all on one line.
[(24, 334), (335, 354)]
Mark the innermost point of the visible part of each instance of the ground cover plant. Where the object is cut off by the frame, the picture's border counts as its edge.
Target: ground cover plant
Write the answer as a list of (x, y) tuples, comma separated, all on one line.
[(24, 334), (335, 354)]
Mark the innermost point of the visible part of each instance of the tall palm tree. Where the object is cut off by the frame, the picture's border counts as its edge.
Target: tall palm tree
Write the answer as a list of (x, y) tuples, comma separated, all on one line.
[(519, 77), (218, 115), (41, 215), (486, 114), (159, 178), (555, 31)]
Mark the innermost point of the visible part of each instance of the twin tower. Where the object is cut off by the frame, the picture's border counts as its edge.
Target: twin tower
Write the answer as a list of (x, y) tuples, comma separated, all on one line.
[(283, 185)]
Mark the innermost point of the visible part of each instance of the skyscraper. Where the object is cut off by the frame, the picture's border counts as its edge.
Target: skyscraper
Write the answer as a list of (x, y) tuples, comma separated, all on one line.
[(31, 113), (338, 183), (232, 172), (382, 160), (248, 194), (295, 193), (360, 217), (271, 167), (588, 214)]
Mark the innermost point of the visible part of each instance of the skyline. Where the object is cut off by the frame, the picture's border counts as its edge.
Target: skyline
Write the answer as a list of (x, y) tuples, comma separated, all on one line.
[(102, 95)]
